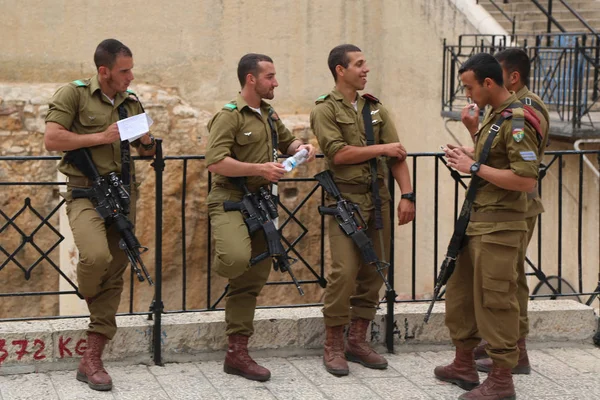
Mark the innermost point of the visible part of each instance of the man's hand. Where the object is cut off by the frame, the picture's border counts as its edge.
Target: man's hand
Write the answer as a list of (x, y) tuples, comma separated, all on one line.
[(406, 211), (111, 134), (272, 171), (459, 160), (311, 151), (470, 151), (395, 150), (146, 139), (470, 117)]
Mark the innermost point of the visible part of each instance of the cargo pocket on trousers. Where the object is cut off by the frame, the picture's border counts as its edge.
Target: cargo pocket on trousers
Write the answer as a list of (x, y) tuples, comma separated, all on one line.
[(500, 250), (495, 294)]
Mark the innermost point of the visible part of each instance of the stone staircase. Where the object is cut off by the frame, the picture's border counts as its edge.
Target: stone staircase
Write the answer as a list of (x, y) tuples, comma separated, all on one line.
[(529, 19)]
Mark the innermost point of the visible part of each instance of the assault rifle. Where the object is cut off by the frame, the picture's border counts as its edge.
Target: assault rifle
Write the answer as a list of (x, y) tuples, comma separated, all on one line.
[(259, 212), (112, 202), (352, 223)]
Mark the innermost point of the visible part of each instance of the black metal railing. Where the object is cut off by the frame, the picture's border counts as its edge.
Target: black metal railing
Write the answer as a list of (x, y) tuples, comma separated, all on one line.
[(566, 78), (435, 184)]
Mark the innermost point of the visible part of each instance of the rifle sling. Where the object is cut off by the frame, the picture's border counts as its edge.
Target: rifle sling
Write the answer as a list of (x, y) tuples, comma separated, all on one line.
[(463, 220), (125, 154), (275, 143), (370, 136)]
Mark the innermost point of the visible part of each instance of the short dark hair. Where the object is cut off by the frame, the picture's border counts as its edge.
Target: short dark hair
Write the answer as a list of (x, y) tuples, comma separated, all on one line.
[(107, 52), (249, 65), (483, 65), (339, 56), (515, 60)]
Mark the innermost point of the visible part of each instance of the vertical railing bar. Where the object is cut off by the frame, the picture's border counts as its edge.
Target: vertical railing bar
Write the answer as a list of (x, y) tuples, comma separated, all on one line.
[(560, 190), (580, 224), (183, 238), (157, 304)]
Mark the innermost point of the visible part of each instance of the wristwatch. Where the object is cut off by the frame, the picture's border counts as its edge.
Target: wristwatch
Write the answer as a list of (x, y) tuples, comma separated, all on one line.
[(150, 145), (409, 196), (474, 168)]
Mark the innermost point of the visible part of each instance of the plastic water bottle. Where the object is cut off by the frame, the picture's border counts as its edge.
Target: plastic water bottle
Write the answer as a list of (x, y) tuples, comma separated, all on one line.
[(292, 162)]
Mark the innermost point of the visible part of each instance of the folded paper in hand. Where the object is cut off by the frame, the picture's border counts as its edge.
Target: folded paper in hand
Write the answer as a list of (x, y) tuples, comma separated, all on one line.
[(134, 127)]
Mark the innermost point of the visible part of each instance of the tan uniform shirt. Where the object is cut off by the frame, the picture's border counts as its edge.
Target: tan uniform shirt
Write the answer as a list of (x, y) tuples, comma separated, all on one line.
[(520, 154), (239, 132), (337, 124), (82, 108), (534, 205)]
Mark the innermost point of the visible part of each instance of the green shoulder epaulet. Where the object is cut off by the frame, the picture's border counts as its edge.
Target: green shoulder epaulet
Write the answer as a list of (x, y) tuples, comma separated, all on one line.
[(80, 83), (321, 99), (230, 106)]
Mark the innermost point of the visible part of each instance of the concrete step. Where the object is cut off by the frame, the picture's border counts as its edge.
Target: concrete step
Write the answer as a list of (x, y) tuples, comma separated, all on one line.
[(36, 346)]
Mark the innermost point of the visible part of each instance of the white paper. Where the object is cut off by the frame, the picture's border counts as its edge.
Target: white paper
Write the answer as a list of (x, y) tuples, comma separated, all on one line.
[(134, 127)]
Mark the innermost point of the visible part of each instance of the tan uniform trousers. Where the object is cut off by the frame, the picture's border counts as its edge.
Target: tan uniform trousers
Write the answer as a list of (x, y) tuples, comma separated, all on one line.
[(481, 295), (352, 286), (233, 249), (522, 287), (101, 264)]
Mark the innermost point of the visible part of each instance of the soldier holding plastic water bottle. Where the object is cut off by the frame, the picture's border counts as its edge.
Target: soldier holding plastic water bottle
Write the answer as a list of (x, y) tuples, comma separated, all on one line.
[(244, 138)]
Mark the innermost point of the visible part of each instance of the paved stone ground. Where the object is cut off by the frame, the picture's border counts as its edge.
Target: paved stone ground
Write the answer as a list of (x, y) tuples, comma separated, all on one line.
[(558, 373)]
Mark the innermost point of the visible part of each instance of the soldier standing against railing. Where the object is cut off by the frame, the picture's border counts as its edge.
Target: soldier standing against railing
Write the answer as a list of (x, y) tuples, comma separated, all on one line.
[(515, 70), (243, 141), (481, 295), (83, 114), (352, 292)]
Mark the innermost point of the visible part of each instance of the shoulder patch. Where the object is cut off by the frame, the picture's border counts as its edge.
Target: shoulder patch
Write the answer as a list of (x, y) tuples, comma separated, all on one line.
[(229, 106), (320, 99), (273, 115), (80, 83), (370, 97)]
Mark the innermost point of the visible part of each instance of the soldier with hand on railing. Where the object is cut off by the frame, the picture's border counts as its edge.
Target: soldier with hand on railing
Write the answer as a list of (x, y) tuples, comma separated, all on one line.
[(243, 141), (359, 140), (83, 114), (481, 294)]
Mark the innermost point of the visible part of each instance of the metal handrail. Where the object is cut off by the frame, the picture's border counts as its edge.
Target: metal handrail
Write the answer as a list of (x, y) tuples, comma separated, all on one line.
[(579, 17), (511, 20), (548, 14)]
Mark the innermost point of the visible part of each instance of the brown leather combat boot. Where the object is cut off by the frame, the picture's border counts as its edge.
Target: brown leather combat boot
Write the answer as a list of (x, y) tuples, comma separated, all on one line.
[(357, 348), (91, 369), (498, 386), (523, 367), (480, 352), (239, 362), (333, 354), (461, 372)]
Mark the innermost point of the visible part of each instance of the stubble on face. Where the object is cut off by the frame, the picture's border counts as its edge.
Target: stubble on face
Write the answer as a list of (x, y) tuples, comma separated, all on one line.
[(266, 81)]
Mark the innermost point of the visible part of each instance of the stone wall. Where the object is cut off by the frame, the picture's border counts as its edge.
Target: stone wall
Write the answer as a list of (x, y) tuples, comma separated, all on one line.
[(183, 129)]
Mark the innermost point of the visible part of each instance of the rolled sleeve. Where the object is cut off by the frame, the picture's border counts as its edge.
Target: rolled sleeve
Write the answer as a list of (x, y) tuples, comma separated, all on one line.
[(523, 155), (388, 133), (328, 133), (284, 137), (222, 130), (63, 106)]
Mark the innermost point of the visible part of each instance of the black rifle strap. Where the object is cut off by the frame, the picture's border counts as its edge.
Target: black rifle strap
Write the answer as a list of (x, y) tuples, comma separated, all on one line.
[(465, 212), (125, 154), (366, 114), (275, 142)]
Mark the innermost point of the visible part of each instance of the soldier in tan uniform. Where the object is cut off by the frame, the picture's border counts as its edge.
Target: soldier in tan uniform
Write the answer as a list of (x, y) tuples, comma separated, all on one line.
[(481, 295), (240, 143), (515, 70), (352, 292), (83, 114)]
